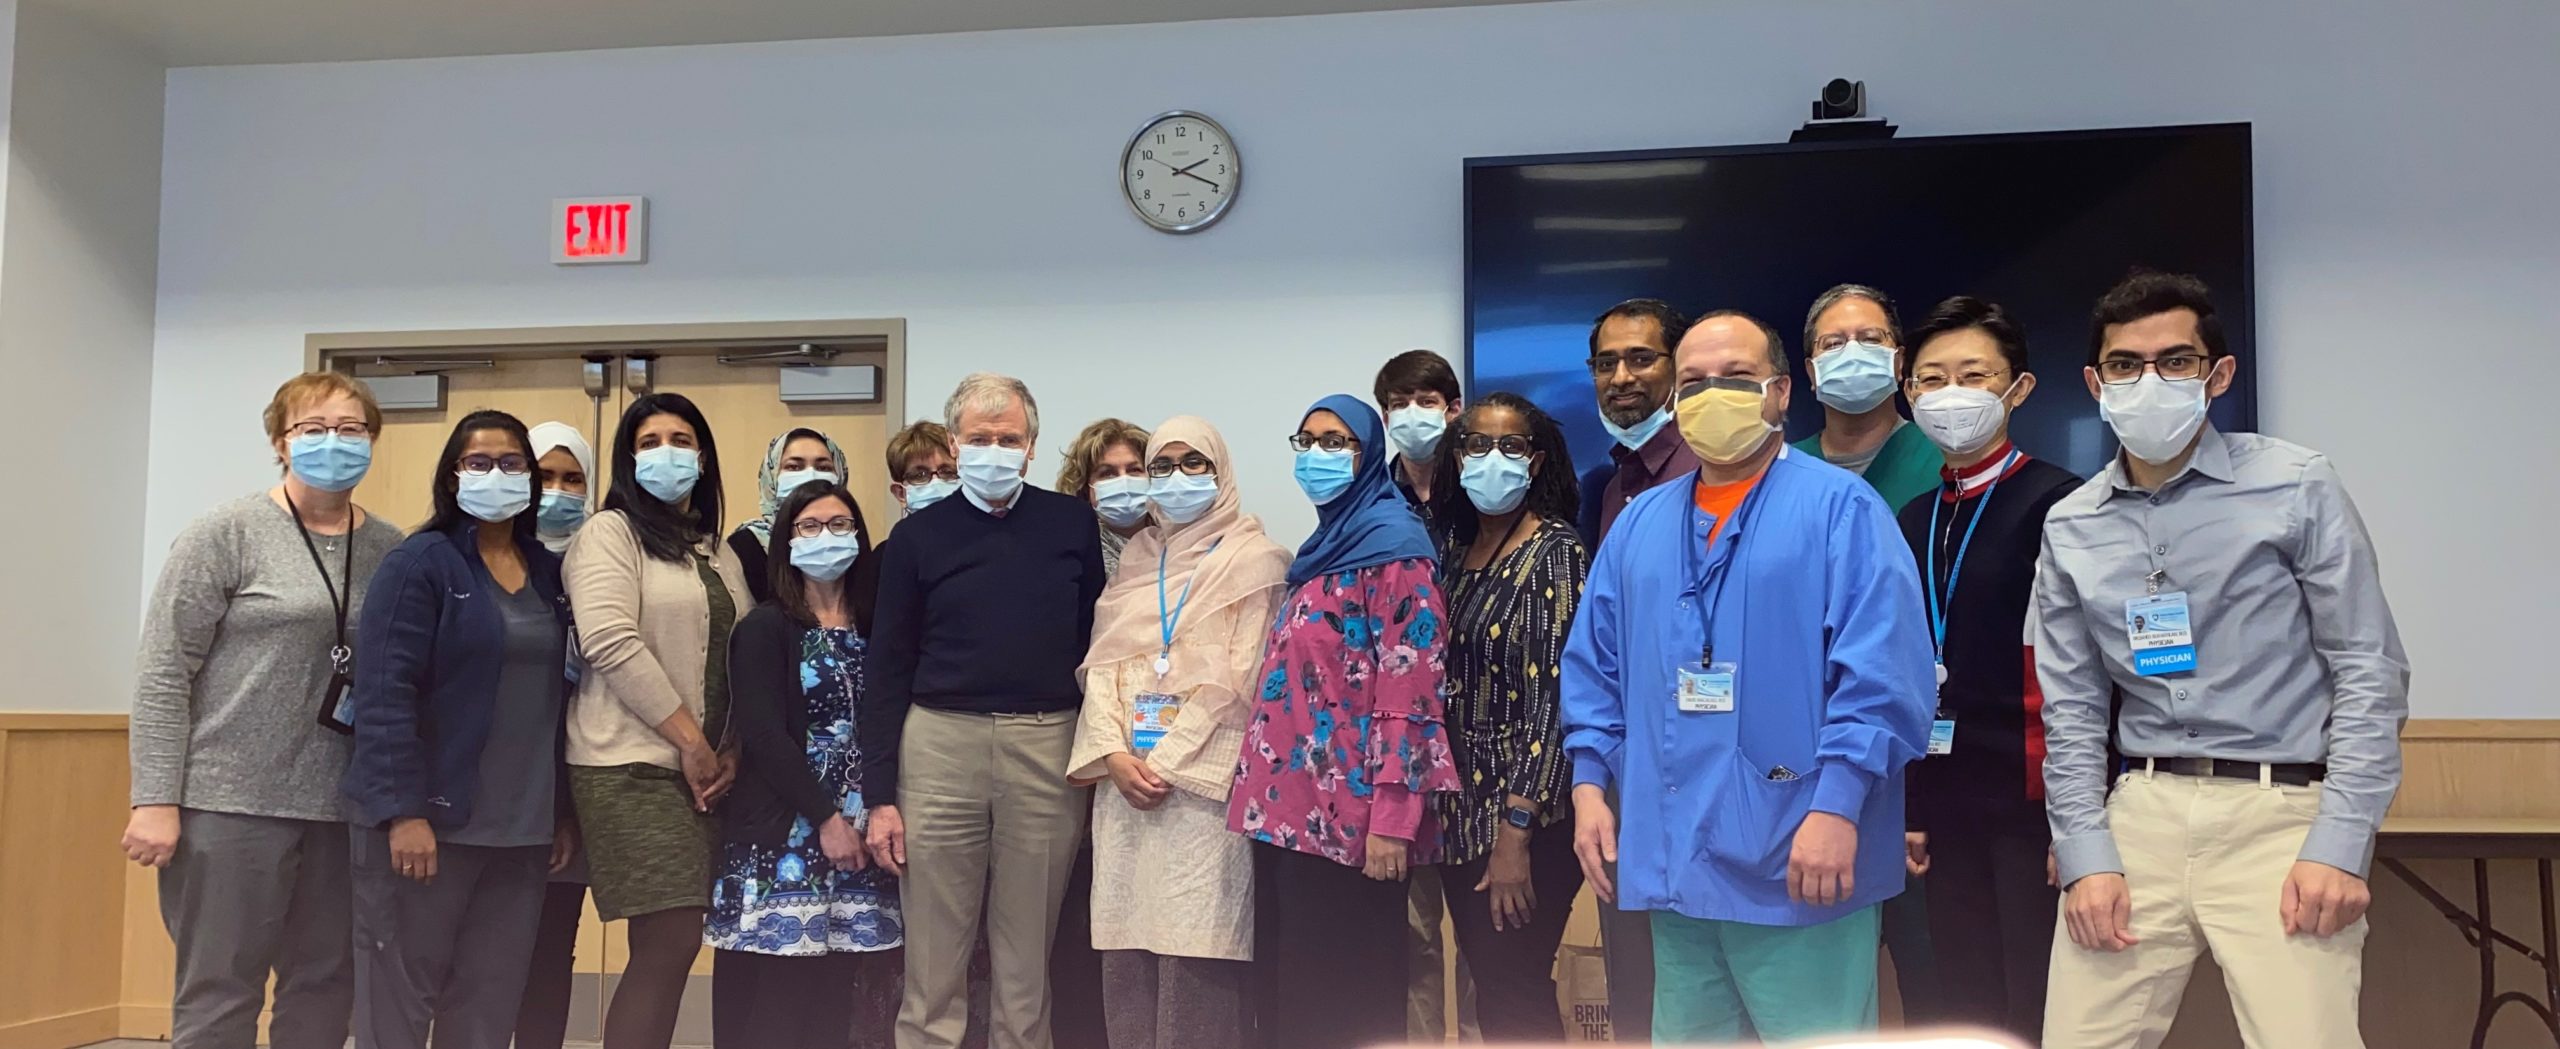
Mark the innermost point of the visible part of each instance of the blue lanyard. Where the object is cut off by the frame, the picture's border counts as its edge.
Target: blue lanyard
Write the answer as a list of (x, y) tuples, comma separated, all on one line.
[(1167, 620), (1938, 605)]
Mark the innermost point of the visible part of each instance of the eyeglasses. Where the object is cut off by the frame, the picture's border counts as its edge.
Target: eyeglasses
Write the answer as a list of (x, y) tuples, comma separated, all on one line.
[(1971, 380), (350, 431), (2176, 367), (809, 527), (920, 475), (1604, 365), (1194, 464), (1827, 343), (1332, 442), (511, 464), (1512, 445)]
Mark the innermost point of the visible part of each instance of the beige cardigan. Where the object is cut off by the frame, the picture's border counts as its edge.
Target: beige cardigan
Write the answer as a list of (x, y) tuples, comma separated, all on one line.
[(1198, 754), (643, 627)]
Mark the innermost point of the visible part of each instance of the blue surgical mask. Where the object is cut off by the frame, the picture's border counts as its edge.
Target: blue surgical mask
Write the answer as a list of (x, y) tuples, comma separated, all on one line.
[(923, 495), (1324, 475), (1854, 378), (561, 513), (494, 496), (789, 481), (1122, 501), (991, 472), (1495, 482), (668, 472), (825, 556), (329, 462), (1633, 438), (1415, 431), (1181, 498)]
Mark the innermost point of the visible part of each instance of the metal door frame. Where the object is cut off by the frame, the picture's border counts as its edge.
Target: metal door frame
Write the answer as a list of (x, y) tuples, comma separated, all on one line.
[(344, 351)]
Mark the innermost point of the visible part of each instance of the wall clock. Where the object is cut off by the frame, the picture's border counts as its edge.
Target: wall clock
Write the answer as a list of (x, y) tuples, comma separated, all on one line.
[(1180, 172)]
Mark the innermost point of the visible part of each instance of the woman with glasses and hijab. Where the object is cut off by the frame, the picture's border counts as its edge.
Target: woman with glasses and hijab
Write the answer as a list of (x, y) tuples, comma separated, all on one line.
[(801, 456), (1169, 685), (1345, 747), (1512, 569), (452, 783)]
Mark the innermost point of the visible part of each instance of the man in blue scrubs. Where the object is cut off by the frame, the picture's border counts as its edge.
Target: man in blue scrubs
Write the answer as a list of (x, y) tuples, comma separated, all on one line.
[(1750, 670)]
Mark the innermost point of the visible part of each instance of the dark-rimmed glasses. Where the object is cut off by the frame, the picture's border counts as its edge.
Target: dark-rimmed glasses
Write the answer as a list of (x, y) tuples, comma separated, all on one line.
[(510, 464), (1511, 445), (1193, 464), (809, 527), (2176, 367)]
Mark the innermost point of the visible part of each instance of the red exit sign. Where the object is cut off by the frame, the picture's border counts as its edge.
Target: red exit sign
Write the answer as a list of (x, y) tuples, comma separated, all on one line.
[(599, 229)]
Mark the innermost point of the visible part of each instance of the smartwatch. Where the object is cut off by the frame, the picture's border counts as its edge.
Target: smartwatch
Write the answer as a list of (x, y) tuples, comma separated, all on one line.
[(1519, 818)]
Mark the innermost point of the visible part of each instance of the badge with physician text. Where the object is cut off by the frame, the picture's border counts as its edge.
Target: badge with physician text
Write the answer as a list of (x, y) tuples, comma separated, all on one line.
[(2162, 641)]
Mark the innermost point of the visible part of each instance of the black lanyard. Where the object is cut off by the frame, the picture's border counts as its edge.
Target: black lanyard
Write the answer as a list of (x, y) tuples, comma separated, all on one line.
[(1711, 591), (341, 657)]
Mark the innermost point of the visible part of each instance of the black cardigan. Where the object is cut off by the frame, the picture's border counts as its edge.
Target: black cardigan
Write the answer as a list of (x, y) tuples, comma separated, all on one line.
[(770, 715)]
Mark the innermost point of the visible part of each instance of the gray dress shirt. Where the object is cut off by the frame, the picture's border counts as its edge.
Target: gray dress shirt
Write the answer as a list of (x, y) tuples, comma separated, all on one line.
[(2297, 658)]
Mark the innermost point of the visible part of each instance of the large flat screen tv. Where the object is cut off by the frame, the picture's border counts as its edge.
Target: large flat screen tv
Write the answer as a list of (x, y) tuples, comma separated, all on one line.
[(2040, 223)]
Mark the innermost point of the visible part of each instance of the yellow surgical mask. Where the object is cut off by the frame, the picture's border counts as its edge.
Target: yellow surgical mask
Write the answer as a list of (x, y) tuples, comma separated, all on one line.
[(1723, 425)]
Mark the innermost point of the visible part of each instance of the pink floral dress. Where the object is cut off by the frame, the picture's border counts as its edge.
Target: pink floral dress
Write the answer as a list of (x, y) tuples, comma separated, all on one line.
[(1346, 738)]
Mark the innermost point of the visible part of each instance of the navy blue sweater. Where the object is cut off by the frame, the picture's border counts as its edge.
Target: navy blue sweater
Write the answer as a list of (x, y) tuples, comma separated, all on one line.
[(978, 614), (428, 648)]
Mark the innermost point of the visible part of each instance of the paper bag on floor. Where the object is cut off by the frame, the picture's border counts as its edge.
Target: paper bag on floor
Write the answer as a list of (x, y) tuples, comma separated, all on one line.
[(1582, 991)]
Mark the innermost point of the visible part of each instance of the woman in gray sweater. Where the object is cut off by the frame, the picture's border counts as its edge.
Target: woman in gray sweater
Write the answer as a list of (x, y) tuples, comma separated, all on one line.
[(246, 655)]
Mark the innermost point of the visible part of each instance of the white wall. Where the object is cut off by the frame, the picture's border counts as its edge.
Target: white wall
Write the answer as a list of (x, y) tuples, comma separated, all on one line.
[(2405, 231), (79, 249)]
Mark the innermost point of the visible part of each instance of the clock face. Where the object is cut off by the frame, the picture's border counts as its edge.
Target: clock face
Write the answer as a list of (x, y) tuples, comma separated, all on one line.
[(1180, 172)]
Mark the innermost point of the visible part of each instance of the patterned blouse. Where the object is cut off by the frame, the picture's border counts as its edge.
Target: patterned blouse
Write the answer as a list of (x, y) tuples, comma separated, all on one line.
[(1346, 739), (1507, 627)]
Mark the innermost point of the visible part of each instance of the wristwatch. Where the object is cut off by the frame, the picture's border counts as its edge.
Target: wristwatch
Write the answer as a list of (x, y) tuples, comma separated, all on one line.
[(1519, 818)]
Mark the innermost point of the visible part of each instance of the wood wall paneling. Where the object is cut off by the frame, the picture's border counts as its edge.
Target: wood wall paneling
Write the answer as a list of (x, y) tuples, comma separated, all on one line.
[(88, 960), (62, 806)]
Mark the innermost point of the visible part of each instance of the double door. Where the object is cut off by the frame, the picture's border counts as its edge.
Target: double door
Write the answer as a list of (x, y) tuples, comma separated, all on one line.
[(741, 402)]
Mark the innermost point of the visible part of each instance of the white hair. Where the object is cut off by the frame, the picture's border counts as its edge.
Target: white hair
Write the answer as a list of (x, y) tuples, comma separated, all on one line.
[(989, 392)]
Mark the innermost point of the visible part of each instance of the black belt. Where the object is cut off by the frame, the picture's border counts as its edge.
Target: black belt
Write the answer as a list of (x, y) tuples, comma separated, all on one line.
[(2217, 768)]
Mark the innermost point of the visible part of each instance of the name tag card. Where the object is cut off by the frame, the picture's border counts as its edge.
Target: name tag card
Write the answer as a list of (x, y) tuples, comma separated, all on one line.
[(2162, 641), (1155, 714), (1942, 736), (1707, 689)]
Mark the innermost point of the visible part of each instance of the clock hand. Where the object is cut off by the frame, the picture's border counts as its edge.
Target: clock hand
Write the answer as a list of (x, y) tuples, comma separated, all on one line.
[(1186, 173)]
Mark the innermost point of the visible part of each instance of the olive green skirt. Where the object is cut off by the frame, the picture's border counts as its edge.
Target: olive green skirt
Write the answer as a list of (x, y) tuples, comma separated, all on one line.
[(647, 850)]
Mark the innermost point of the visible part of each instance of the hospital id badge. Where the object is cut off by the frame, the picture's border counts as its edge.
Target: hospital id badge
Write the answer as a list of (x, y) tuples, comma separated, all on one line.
[(2162, 640), (1155, 714), (1942, 736), (1707, 688)]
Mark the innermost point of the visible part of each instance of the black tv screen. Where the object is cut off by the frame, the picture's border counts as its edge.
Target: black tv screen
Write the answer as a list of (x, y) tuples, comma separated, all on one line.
[(2039, 223)]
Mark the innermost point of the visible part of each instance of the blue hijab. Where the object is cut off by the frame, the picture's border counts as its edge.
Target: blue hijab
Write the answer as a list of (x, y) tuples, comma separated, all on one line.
[(1369, 523)]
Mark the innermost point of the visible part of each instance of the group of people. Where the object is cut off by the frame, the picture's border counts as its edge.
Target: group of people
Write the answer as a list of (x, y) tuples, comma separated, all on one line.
[(1756, 695)]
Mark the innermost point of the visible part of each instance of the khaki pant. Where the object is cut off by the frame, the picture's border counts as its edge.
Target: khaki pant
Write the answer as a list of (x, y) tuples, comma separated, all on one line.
[(2206, 861), (992, 830)]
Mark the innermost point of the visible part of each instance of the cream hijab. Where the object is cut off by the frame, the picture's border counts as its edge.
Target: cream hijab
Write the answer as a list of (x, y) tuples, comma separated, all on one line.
[(1224, 559)]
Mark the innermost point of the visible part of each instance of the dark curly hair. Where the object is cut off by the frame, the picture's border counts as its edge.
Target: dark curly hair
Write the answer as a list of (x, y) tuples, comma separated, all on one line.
[(1555, 493)]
